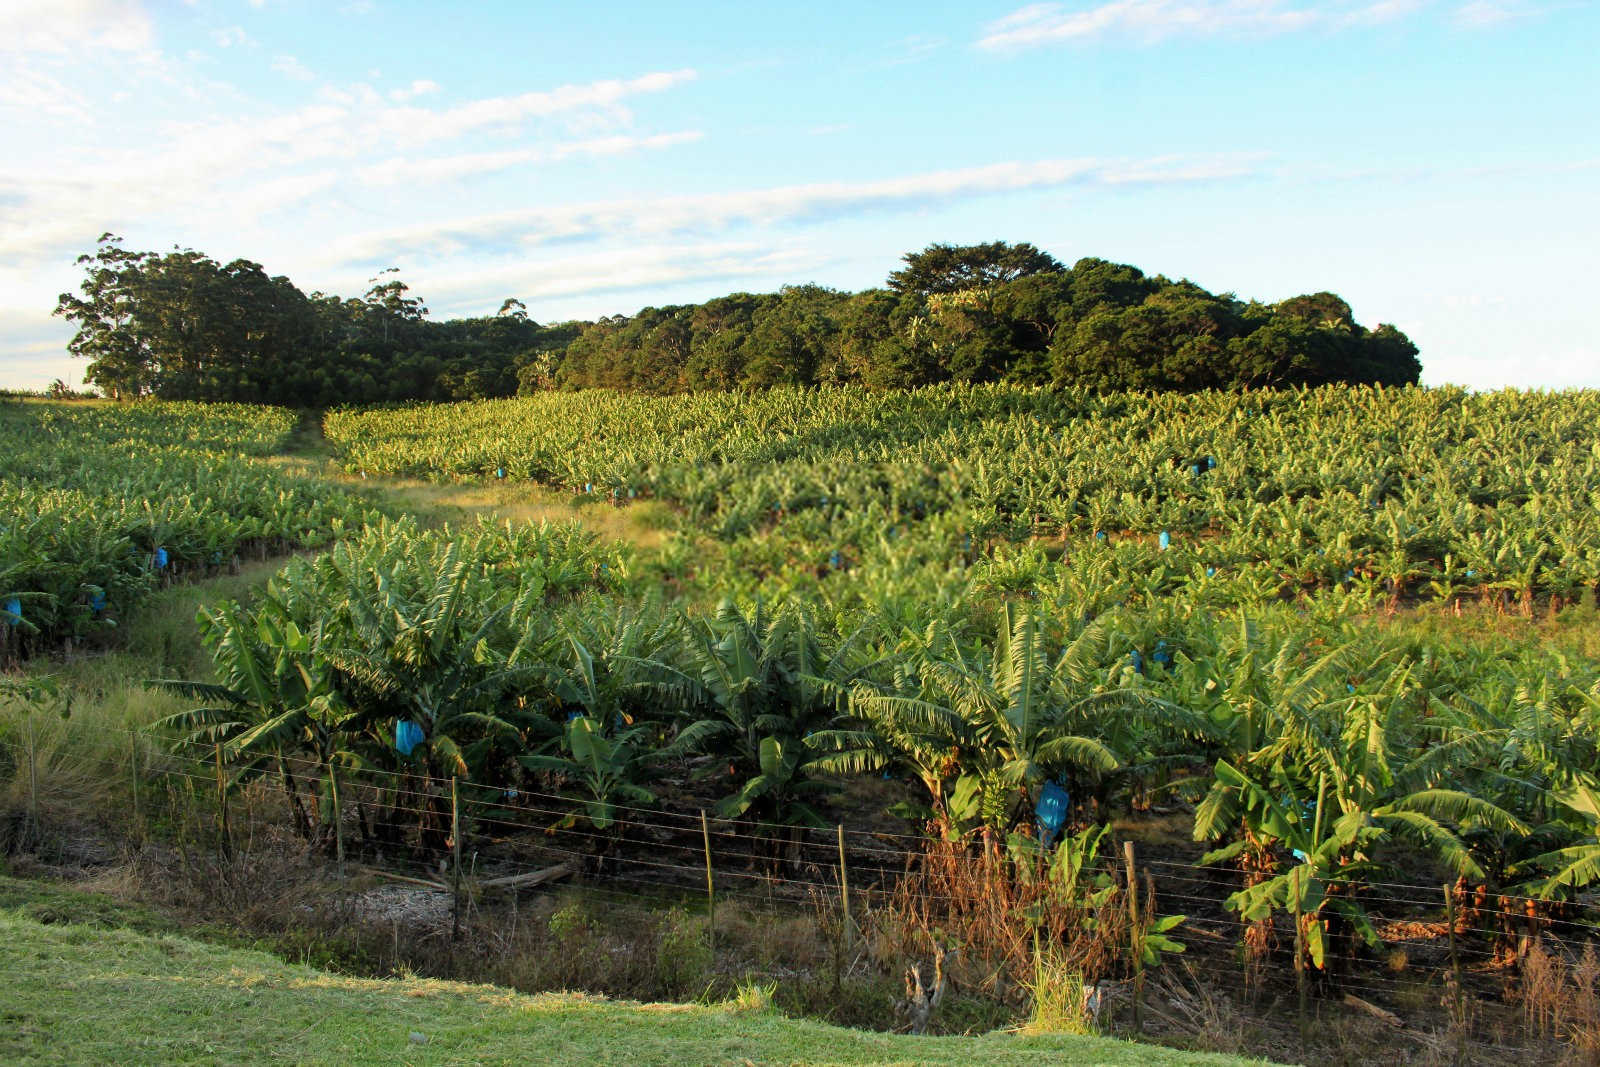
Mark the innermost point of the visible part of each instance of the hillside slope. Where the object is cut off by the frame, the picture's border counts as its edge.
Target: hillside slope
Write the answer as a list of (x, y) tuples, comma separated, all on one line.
[(79, 993)]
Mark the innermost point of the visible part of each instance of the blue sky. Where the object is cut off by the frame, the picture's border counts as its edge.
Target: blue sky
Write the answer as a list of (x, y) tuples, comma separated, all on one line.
[(1436, 162)]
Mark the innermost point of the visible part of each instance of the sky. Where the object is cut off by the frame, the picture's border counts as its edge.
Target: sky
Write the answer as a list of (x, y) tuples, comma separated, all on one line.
[(1435, 162)]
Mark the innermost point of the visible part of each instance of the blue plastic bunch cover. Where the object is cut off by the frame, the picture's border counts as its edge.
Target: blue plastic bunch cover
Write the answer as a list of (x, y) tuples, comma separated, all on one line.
[(588, 487), (12, 611), (1211, 572), (1052, 810), (1211, 462), (499, 472), (1099, 535), (407, 736), (1165, 540), (835, 560), (1161, 655), (1308, 814), (1137, 660), (97, 602), (161, 558)]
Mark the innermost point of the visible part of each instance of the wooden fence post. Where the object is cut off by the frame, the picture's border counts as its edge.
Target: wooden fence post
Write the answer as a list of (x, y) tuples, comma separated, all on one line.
[(1460, 1020), (224, 829), (711, 891), (455, 851), (1299, 958), (1135, 936), (844, 892), (133, 773), (33, 781)]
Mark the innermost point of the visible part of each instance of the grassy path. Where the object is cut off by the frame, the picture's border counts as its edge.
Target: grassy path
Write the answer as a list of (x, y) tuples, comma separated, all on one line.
[(77, 993)]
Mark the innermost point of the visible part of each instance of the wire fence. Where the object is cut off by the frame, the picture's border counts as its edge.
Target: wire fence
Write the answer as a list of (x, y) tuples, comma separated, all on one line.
[(1433, 955)]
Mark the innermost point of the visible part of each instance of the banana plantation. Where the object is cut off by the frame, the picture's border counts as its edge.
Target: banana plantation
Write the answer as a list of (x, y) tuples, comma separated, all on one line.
[(100, 504), (1018, 616)]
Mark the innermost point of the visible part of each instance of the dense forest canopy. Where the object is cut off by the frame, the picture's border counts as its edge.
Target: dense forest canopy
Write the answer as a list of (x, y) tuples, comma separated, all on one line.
[(180, 325)]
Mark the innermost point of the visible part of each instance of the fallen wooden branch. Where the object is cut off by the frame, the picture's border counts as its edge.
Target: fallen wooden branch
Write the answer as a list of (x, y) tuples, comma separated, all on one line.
[(523, 881), (1376, 1012), (424, 883), (487, 885)]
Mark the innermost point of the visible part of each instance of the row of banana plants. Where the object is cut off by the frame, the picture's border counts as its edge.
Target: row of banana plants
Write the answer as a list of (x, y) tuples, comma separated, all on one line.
[(1415, 492), (1321, 756), (100, 504)]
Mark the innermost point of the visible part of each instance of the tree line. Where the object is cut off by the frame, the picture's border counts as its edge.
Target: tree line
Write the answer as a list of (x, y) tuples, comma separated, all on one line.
[(180, 325)]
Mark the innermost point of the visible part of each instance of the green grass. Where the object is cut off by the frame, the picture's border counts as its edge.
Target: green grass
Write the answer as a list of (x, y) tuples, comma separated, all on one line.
[(80, 989)]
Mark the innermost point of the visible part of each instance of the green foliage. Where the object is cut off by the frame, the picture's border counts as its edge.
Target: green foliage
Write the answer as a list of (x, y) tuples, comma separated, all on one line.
[(606, 770), (181, 326), (752, 687), (103, 505)]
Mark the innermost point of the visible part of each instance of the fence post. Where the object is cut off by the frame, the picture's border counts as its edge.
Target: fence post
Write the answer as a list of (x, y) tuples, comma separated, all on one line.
[(844, 892), (711, 891), (33, 781), (224, 828), (338, 822), (1460, 1019), (1299, 956), (133, 773), (455, 850), (1135, 936)]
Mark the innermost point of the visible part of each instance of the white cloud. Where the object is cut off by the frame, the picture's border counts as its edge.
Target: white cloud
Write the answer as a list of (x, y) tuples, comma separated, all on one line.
[(1052, 23), (1483, 13), (472, 290), (794, 204), (403, 170), (230, 36), (290, 67), (420, 87), (29, 90), (238, 166), (65, 26)]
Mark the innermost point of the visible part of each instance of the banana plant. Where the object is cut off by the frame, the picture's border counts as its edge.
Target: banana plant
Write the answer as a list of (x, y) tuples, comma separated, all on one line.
[(1574, 866), (752, 687), (982, 733), (1331, 840), (606, 769)]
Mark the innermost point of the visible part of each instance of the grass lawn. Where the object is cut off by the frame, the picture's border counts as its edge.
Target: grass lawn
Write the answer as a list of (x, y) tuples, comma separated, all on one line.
[(79, 989)]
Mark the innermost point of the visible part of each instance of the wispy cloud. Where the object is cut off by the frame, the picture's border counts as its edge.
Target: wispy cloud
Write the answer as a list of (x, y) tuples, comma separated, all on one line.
[(471, 290), (291, 67), (1053, 23), (402, 170), (1484, 13), (230, 36), (250, 165), (420, 87), (66, 26), (654, 218)]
